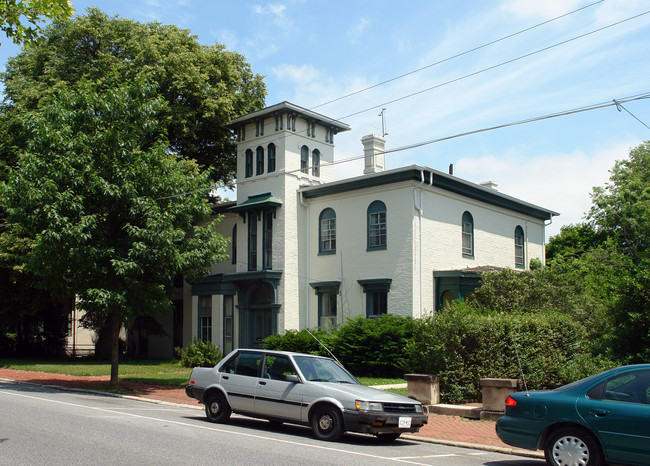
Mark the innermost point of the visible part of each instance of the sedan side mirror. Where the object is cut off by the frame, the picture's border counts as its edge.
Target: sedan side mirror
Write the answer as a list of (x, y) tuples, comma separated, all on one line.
[(292, 378)]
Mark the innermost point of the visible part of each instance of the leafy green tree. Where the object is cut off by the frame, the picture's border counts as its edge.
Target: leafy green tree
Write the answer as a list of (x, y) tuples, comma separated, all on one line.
[(202, 87), (103, 210), (621, 210), (13, 13)]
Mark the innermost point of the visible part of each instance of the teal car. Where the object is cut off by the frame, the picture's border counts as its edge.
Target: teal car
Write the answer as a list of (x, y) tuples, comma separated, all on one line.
[(602, 419)]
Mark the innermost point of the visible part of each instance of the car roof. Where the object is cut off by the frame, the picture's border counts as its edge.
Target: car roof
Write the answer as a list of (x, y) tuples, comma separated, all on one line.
[(284, 353)]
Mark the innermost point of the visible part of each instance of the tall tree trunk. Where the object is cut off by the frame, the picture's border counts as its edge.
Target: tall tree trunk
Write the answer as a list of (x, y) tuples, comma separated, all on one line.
[(115, 344)]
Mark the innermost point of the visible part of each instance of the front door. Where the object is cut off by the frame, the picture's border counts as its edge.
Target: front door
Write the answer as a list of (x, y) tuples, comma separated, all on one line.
[(261, 326)]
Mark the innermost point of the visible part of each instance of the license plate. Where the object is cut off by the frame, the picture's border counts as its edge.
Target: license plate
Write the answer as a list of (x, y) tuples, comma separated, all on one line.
[(405, 422)]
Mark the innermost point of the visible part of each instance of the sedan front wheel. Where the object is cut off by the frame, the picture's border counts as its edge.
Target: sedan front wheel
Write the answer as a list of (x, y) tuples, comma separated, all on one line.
[(326, 423), (572, 447)]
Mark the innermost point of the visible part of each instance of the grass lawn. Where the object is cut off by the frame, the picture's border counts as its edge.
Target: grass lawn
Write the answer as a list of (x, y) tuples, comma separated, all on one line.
[(152, 371)]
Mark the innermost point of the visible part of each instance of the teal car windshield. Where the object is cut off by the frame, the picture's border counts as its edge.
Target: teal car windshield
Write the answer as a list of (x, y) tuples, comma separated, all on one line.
[(323, 370)]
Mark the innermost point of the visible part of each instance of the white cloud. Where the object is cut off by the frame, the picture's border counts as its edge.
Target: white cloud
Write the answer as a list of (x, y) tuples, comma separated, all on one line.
[(357, 30), (561, 182), (299, 74)]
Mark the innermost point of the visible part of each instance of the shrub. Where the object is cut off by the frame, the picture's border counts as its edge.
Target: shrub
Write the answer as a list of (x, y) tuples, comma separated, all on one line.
[(374, 347), (199, 353), (461, 347), (8, 344)]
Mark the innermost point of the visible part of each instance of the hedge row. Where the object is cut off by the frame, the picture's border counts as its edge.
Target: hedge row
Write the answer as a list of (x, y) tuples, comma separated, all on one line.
[(461, 347)]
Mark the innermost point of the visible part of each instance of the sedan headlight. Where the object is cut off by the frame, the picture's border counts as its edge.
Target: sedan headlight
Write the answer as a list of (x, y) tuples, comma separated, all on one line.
[(368, 406), (418, 408)]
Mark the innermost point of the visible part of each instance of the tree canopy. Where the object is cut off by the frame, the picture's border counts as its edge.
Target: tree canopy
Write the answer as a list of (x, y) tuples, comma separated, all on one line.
[(100, 209), (202, 87), (13, 14)]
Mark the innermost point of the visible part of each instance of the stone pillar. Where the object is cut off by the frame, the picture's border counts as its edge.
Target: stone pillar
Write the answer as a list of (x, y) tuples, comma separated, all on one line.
[(495, 392), (423, 387)]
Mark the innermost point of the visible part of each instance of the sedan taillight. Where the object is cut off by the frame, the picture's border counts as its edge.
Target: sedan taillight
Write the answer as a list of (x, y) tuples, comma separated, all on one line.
[(510, 401)]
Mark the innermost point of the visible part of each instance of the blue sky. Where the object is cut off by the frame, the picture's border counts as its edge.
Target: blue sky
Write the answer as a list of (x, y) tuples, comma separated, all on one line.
[(315, 51)]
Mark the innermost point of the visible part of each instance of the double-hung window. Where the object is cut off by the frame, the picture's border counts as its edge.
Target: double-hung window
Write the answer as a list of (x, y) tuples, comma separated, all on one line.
[(304, 159), (327, 232), (270, 150), (377, 226), (252, 241), (520, 259), (259, 161), (249, 163), (315, 162), (205, 318), (468, 235)]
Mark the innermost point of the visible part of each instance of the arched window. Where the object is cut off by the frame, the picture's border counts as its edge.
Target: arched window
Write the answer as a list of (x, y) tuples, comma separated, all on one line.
[(304, 159), (259, 160), (315, 162), (520, 259), (327, 232), (270, 150), (234, 245), (249, 163), (468, 235), (377, 226)]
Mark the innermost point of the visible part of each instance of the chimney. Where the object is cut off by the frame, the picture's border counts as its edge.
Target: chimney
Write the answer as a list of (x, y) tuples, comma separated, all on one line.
[(373, 153)]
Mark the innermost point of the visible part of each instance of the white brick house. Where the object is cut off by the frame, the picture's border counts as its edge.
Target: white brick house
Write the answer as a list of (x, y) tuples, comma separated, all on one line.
[(307, 250)]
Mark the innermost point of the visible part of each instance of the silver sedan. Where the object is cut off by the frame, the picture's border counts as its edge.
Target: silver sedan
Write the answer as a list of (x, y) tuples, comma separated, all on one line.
[(303, 389)]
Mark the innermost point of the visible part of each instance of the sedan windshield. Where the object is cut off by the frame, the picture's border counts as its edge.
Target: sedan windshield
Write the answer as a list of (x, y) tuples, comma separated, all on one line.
[(323, 370)]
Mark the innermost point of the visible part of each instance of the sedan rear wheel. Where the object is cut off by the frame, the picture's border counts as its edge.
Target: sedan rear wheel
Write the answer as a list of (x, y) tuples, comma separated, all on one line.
[(217, 408), (572, 447)]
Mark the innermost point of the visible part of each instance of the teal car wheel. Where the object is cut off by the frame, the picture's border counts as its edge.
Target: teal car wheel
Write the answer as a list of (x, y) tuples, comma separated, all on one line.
[(572, 447)]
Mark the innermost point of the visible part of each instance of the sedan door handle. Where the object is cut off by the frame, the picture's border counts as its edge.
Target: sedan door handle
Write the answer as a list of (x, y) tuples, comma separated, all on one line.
[(262, 382), (600, 412), (225, 377)]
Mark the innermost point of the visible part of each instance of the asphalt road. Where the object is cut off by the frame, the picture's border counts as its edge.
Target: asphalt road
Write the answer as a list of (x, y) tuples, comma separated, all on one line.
[(39, 425)]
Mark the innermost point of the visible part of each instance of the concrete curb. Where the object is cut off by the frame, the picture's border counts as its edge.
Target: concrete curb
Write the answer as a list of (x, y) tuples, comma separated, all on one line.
[(452, 443)]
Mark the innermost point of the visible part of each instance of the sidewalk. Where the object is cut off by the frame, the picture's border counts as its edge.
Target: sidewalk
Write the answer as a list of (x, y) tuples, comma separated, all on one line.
[(449, 430)]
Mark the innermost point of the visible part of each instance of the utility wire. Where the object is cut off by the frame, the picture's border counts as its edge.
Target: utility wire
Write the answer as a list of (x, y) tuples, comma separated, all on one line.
[(455, 56), (619, 106), (495, 66)]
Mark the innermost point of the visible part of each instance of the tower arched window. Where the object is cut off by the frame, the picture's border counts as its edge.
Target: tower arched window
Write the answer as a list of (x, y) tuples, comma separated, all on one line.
[(304, 159), (270, 151), (249, 163), (315, 162), (259, 160)]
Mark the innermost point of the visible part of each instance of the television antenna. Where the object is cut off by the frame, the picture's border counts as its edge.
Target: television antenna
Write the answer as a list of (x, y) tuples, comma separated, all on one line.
[(383, 122)]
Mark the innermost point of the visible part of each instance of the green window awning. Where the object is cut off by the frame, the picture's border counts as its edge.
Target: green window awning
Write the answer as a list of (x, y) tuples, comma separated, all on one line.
[(256, 203)]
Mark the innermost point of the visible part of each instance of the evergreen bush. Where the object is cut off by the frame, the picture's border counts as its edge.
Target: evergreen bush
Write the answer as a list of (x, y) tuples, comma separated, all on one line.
[(199, 354)]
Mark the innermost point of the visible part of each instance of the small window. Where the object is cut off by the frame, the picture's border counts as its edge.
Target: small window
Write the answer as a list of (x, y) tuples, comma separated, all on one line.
[(304, 159), (520, 260), (315, 162), (249, 163), (259, 161), (327, 232), (376, 291), (327, 310), (205, 318), (629, 387), (377, 226), (376, 303), (271, 157), (234, 244), (228, 309), (468, 235)]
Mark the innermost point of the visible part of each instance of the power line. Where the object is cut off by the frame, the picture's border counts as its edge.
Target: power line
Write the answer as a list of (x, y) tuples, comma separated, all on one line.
[(455, 56), (495, 66)]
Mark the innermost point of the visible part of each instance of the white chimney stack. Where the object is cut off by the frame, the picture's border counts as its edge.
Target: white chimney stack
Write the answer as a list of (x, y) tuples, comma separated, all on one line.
[(373, 153)]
